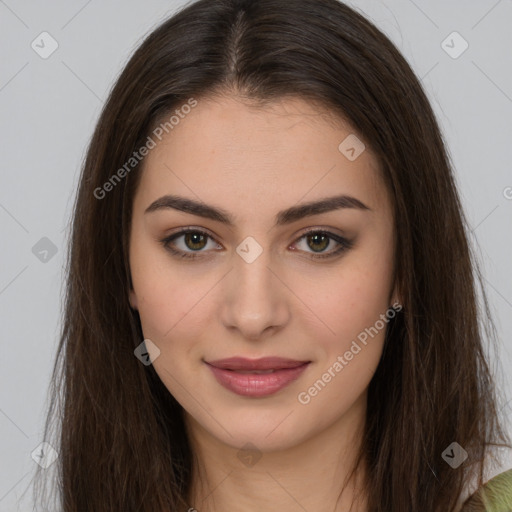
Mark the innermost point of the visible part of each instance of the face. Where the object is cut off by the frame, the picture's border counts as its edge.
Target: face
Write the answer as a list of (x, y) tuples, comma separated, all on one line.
[(257, 275)]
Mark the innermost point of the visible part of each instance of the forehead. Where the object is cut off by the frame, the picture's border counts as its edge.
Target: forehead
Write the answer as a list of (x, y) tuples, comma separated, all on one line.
[(256, 158)]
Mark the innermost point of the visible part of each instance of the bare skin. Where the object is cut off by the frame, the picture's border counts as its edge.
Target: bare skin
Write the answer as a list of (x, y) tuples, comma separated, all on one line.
[(253, 163)]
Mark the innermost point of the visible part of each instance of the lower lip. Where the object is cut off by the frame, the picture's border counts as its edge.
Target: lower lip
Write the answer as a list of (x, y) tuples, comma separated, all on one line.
[(256, 384)]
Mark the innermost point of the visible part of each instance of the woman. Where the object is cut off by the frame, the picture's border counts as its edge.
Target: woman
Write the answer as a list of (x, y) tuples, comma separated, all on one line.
[(270, 297)]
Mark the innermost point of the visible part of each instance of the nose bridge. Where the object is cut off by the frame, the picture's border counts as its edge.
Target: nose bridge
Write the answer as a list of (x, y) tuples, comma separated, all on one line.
[(255, 299)]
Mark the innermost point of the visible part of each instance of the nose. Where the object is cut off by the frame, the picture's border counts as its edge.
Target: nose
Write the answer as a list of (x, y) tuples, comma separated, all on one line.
[(256, 302)]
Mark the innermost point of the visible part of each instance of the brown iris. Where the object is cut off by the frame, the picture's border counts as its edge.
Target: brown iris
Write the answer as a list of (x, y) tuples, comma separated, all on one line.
[(318, 238)]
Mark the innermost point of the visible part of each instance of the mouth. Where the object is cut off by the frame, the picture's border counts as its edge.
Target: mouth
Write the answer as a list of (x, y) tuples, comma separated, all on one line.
[(256, 377)]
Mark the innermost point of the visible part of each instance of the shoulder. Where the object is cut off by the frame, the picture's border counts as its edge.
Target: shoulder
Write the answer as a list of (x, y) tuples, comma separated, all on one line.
[(494, 496)]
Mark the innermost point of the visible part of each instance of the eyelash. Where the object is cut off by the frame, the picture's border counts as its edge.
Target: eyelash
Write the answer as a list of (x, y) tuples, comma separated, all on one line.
[(344, 243)]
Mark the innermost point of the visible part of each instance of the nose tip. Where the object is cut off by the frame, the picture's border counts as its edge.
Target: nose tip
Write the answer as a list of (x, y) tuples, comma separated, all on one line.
[(255, 301)]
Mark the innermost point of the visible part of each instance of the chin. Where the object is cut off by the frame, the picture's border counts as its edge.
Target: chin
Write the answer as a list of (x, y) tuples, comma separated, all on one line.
[(268, 432)]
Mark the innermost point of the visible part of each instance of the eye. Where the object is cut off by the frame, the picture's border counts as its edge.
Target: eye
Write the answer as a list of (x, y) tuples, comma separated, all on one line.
[(319, 240), (195, 240)]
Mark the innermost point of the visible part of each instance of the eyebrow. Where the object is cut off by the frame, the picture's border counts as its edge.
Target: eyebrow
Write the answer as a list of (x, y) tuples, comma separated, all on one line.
[(283, 217)]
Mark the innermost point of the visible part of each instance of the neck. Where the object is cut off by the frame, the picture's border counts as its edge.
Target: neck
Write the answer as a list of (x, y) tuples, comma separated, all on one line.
[(314, 474)]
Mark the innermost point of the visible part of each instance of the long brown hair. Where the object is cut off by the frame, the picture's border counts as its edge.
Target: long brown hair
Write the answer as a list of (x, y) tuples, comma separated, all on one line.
[(121, 438)]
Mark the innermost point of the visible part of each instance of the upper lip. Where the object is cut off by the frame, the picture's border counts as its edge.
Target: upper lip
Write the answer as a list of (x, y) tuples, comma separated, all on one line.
[(265, 363)]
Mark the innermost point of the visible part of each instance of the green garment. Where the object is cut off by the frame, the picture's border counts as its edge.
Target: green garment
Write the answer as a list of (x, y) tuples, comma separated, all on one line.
[(494, 496)]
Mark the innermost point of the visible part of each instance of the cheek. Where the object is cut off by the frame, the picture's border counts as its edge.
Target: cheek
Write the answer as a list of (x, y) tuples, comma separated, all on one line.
[(167, 303), (347, 300), (157, 291), (173, 304), (347, 359)]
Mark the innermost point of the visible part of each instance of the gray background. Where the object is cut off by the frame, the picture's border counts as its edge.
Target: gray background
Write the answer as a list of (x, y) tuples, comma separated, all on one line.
[(48, 111)]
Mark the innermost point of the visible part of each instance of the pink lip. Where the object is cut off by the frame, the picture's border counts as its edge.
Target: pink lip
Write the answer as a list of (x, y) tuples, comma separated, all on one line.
[(228, 373)]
